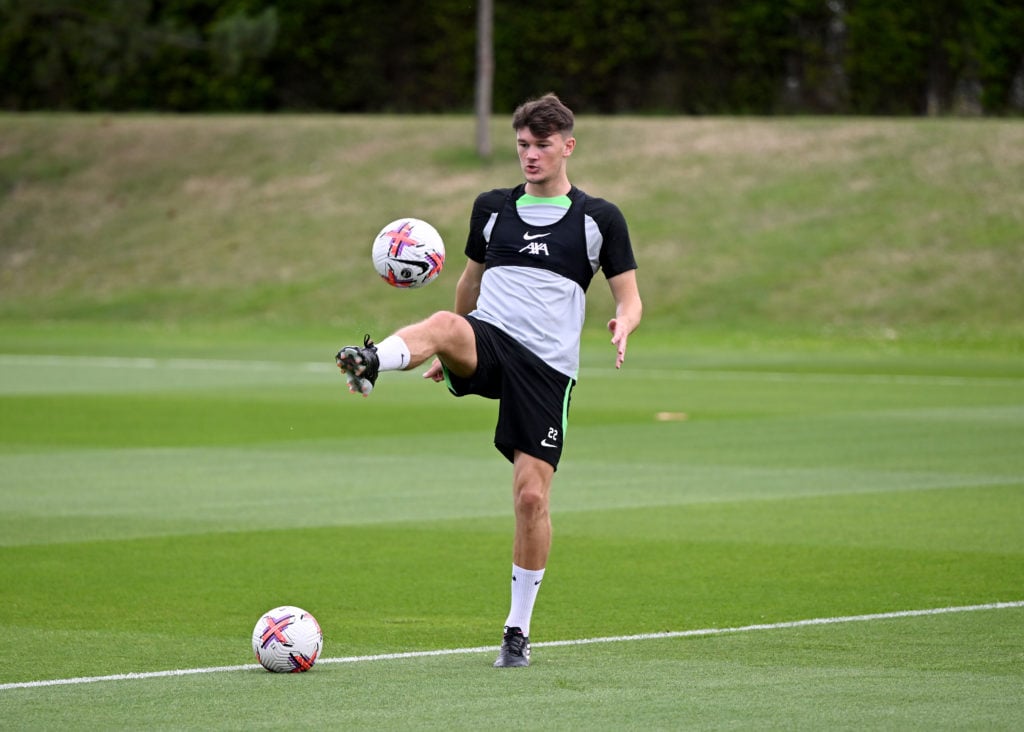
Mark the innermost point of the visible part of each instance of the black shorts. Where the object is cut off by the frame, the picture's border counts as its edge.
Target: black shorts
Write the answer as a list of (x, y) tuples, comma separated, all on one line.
[(533, 410)]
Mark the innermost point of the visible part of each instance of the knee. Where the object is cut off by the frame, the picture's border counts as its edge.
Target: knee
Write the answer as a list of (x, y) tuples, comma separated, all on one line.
[(451, 333), (445, 321), (531, 500), (531, 485)]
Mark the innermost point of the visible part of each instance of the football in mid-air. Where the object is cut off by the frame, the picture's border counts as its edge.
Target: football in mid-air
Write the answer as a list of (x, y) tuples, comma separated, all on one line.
[(287, 639), (408, 253)]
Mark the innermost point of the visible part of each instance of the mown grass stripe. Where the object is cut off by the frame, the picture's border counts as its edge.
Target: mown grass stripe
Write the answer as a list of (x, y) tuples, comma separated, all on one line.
[(546, 644), (200, 364)]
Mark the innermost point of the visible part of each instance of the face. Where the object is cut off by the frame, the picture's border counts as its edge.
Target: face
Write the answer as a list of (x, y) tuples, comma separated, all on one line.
[(543, 159)]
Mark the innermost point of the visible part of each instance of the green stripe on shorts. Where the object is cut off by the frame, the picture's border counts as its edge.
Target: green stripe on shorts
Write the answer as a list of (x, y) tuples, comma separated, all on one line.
[(565, 407)]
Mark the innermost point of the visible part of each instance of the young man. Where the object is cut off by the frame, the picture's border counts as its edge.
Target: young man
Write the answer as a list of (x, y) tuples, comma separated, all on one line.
[(514, 334)]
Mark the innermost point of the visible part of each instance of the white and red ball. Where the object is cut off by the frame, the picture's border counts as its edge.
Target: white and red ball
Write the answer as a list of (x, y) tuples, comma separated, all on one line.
[(287, 639), (408, 253)]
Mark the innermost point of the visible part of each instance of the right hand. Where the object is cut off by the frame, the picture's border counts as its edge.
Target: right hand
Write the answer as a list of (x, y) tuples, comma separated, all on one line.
[(435, 372)]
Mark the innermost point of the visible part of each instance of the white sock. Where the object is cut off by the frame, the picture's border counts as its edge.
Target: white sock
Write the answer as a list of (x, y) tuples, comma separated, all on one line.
[(525, 585), (393, 354)]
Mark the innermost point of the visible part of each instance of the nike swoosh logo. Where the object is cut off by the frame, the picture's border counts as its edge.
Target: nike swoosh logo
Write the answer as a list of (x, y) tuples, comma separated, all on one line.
[(530, 237), (545, 443)]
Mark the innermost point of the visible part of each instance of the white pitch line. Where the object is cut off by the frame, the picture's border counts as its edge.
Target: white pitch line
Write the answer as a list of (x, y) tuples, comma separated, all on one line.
[(790, 624), (545, 644), (326, 366)]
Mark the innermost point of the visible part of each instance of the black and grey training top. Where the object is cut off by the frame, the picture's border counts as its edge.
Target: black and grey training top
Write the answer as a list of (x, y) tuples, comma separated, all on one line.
[(540, 255)]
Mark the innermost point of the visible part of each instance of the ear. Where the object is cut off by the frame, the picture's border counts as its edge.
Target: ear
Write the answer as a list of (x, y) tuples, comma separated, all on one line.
[(570, 145)]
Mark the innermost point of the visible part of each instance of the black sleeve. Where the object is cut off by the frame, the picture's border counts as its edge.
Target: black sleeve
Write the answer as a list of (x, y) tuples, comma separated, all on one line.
[(617, 249), (485, 205)]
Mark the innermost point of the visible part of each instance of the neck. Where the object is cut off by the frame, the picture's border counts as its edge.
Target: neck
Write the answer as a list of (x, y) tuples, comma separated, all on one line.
[(549, 190)]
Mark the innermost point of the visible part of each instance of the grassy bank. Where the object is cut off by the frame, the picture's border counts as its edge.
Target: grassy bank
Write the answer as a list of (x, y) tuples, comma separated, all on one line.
[(879, 229)]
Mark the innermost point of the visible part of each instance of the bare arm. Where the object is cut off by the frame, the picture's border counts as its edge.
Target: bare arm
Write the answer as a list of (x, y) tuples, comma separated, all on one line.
[(628, 311), (468, 288)]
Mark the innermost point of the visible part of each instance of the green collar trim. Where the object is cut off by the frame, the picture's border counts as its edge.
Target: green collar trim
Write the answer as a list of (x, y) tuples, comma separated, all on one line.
[(527, 200)]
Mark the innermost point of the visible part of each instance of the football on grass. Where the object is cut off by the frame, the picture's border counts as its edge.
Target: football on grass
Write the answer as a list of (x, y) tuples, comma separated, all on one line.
[(287, 639), (408, 253)]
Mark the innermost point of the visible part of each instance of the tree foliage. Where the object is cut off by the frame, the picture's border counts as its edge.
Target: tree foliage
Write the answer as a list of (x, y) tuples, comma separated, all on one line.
[(647, 56)]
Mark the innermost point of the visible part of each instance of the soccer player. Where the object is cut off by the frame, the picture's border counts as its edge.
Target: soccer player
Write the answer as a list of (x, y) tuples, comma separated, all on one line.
[(515, 331)]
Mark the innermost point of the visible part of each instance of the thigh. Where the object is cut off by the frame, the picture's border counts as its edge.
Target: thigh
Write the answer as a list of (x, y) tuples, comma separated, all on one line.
[(486, 377), (530, 473), (444, 334)]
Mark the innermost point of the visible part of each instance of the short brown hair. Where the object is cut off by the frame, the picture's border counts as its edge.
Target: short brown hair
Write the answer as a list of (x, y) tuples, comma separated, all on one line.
[(544, 116)]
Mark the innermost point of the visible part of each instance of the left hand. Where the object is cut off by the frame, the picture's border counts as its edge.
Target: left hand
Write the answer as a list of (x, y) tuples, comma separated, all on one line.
[(620, 335)]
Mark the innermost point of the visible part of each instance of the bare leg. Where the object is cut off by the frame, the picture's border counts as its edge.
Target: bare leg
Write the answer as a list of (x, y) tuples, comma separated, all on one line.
[(531, 487), (445, 335), (530, 548)]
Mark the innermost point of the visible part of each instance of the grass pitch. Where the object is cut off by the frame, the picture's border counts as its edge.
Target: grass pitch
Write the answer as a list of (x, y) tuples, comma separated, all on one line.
[(821, 418), (154, 507)]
